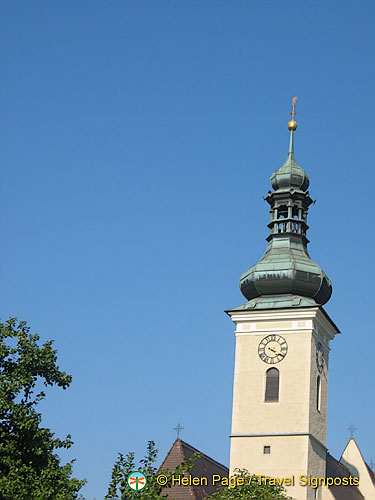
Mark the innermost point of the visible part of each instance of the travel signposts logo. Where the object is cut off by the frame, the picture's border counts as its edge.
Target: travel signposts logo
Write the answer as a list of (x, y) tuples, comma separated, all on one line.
[(137, 480)]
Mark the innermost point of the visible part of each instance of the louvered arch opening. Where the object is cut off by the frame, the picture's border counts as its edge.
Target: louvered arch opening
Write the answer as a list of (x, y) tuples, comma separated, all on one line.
[(272, 385)]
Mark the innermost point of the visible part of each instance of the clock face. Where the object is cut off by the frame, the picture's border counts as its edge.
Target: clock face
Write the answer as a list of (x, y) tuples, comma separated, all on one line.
[(272, 349), (319, 357)]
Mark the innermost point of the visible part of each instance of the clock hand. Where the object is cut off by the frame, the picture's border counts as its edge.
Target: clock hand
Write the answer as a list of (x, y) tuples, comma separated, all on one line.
[(276, 352)]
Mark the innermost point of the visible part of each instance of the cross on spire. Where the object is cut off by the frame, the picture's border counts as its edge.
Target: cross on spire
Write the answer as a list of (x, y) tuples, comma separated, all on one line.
[(293, 112), (352, 429), (178, 429)]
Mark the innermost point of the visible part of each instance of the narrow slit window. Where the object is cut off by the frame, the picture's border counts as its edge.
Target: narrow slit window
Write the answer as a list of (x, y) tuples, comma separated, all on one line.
[(272, 385), (318, 393)]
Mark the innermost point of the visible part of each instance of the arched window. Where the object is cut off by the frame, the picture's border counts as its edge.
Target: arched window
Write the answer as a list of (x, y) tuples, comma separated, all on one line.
[(272, 385), (318, 393)]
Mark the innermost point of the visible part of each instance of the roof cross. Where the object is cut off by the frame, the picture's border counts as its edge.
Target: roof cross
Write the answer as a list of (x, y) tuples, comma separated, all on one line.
[(178, 429), (352, 429), (293, 112)]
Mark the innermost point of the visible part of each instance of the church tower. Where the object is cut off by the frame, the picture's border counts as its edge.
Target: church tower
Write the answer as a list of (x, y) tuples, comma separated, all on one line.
[(283, 338)]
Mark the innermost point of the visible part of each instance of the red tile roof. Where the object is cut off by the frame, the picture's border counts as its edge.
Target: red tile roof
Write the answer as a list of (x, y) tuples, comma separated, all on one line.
[(204, 467)]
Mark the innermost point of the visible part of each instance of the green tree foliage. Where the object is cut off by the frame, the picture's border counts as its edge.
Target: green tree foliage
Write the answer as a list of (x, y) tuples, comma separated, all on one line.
[(124, 465), (247, 487), (29, 467)]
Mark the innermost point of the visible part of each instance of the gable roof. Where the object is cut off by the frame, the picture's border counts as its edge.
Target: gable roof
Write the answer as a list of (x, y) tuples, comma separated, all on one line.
[(353, 459), (334, 468), (204, 467)]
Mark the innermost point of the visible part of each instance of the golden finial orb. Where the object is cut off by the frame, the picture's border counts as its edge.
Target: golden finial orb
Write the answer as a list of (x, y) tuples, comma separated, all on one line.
[(292, 125)]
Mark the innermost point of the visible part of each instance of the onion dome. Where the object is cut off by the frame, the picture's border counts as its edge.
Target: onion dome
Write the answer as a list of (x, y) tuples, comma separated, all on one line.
[(290, 175), (286, 276), (286, 270)]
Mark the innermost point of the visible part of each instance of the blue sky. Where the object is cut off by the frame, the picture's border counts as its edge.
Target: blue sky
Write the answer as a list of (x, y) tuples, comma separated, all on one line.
[(137, 140)]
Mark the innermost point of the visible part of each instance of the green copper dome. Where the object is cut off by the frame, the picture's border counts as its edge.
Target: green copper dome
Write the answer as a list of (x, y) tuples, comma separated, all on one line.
[(290, 175), (286, 268)]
